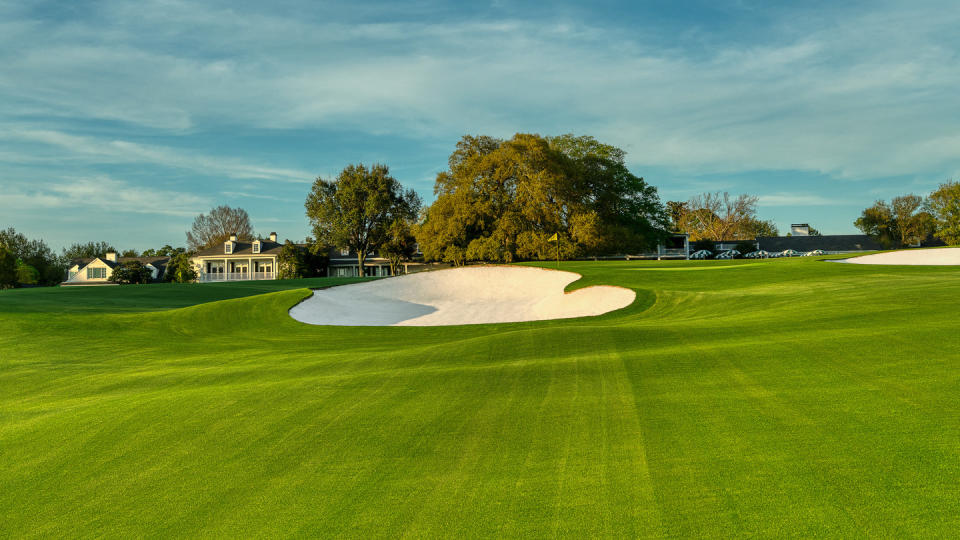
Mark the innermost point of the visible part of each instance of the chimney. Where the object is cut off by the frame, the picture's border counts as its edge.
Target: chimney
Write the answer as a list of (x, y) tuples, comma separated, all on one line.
[(273, 237), (233, 237), (112, 256)]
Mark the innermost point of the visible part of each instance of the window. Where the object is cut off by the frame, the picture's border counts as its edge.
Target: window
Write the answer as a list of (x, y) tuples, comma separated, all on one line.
[(256, 247), (96, 273), (344, 252), (228, 248)]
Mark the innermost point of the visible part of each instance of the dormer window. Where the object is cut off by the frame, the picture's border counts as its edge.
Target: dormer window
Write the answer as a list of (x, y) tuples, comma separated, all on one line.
[(344, 252), (228, 248), (256, 246)]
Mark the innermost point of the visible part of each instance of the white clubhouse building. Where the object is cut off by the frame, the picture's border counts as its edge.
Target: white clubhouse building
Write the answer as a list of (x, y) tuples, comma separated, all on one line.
[(97, 270), (238, 261)]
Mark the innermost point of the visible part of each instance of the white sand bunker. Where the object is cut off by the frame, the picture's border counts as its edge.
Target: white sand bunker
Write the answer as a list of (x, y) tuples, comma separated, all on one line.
[(916, 257), (473, 295)]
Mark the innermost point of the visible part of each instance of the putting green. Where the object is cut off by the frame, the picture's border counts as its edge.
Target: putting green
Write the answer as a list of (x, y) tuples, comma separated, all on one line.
[(783, 397)]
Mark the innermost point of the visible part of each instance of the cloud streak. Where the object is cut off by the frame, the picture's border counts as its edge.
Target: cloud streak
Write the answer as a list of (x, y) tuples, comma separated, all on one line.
[(99, 150), (870, 98), (101, 194), (799, 199)]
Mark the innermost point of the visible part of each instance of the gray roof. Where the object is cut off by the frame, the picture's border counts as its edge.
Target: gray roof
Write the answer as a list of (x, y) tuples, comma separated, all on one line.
[(242, 248), (335, 256), (156, 262)]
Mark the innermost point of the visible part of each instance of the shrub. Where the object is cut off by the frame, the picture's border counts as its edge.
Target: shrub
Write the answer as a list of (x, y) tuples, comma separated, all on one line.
[(131, 272), (179, 269), (27, 275), (8, 268), (291, 263)]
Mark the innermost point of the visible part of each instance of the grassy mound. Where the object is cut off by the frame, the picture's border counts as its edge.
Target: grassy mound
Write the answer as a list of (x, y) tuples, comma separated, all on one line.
[(732, 398)]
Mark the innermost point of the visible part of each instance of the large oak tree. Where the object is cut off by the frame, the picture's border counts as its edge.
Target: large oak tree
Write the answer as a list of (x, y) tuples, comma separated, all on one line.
[(502, 200), (356, 210)]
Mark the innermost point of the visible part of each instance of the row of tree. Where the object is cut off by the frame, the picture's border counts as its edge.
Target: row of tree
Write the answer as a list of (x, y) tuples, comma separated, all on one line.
[(28, 262), (912, 219), (499, 201), (89, 250), (718, 216), (505, 200)]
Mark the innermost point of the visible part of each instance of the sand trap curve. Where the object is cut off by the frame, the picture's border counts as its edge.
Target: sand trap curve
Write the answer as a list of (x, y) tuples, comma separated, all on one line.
[(473, 295), (915, 257)]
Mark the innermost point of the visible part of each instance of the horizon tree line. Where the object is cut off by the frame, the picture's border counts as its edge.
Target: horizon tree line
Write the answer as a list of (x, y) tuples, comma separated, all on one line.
[(499, 200), (912, 219)]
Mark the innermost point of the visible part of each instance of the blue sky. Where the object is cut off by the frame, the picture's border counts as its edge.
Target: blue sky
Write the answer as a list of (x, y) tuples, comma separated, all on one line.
[(121, 121)]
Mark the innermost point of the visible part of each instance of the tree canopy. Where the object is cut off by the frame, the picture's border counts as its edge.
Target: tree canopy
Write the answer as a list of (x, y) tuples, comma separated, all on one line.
[(50, 267), (904, 221), (88, 250), (877, 223), (675, 211), (502, 200), (912, 220), (165, 251), (27, 275), (8, 268), (217, 226), (400, 244), (356, 209), (132, 272), (718, 216), (291, 262), (179, 269), (945, 207)]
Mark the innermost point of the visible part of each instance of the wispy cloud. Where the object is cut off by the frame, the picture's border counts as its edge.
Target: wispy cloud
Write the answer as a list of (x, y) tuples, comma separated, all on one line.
[(101, 194), (875, 99), (263, 196), (100, 150), (823, 102), (799, 199)]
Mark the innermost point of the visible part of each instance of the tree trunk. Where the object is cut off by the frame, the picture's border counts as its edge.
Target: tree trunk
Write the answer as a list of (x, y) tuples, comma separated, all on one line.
[(361, 256)]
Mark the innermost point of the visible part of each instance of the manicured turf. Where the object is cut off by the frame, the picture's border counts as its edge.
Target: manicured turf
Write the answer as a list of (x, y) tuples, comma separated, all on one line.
[(783, 397), (138, 298)]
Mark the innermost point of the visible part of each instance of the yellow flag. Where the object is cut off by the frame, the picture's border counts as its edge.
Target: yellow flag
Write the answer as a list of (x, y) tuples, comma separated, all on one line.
[(553, 238)]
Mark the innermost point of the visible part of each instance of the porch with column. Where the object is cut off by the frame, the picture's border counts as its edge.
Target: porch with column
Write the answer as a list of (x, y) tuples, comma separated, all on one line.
[(249, 266)]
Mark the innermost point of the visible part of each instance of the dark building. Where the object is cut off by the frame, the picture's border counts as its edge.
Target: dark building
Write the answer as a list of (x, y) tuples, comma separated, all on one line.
[(827, 243)]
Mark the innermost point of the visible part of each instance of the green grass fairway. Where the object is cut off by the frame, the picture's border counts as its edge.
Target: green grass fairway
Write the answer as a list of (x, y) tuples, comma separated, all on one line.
[(790, 397)]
